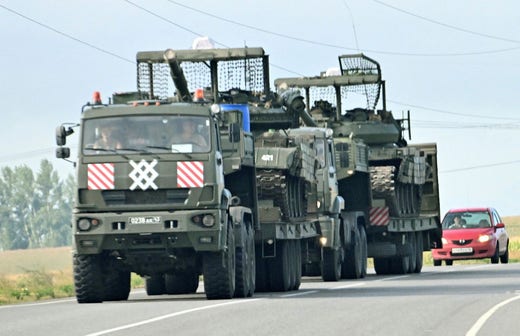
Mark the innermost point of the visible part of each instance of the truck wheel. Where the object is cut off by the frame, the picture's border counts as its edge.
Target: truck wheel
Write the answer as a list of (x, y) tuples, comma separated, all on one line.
[(245, 267), (352, 264), (291, 264), (419, 250), (219, 270), (261, 283), (88, 278), (413, 252), (117, 285), (185, 282), (399, 265), (364, 250), (279, 277), (382, 266), (330, 264), (155, 285), (298, 262)]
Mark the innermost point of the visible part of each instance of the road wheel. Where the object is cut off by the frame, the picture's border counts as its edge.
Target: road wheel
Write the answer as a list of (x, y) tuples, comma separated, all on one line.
[(219, 270), (437, 262), (382, 266), (117, 285), (352, 264), (154, 285), (449, 262), (298, 261), (495, 257), (331, 264), (245, 267), (279, 277), (185, 282), (419, 250), (413, 255), (504, 258), (88, 278)]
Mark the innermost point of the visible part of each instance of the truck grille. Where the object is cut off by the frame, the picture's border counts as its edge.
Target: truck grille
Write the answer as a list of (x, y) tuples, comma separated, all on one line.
[(136, 197)]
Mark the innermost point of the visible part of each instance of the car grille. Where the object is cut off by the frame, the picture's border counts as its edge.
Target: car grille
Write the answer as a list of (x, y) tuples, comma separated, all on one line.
[(127, 197), (462, 242)]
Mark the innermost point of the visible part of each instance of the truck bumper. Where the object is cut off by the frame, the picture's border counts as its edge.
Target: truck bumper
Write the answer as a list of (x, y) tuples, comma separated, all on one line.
[(149, 231)]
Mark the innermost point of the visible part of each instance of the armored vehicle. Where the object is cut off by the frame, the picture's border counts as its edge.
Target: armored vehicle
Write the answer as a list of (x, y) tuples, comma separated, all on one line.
[(398, 188)]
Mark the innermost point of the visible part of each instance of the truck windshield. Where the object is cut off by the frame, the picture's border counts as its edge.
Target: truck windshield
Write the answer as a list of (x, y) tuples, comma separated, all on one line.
[(146, 134)]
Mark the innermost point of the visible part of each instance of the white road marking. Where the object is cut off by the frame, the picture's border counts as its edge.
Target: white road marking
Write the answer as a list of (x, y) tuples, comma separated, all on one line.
[(299, 293), (349, 285), (158, 318), (480, 322), (35, 304)]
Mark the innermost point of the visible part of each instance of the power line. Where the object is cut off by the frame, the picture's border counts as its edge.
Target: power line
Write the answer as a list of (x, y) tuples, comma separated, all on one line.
[(353, 25), (329, 45), (479, 167), (445, 24), (66, 35)]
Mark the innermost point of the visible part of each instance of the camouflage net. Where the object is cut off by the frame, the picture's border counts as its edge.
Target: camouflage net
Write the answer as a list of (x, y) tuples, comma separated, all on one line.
[(234, 74), (356, 65)]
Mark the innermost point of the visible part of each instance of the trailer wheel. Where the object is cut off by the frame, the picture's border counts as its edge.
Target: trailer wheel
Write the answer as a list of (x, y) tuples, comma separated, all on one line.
[(219, 270), (353, 264), (279, 277), (419, 249), (154, 285), (399, 265), (331, 264), (382, 266), (88, 278), (413, 255), (364, 250), (298, 263)]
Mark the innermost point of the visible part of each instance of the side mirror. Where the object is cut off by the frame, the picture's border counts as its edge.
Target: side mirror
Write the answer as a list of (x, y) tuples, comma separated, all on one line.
[(234, 132), (62, 133), (62, 152), (500, 225)]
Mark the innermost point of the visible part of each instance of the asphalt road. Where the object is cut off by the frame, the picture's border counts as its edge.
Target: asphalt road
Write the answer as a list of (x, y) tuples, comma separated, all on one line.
[(457, 300)]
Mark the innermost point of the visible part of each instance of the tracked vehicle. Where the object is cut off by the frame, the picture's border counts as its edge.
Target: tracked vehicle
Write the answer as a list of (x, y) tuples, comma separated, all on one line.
[(398, 188)]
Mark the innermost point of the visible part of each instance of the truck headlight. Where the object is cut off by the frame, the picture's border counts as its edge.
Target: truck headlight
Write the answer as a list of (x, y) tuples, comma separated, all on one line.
[(208, 220), (84, 224)]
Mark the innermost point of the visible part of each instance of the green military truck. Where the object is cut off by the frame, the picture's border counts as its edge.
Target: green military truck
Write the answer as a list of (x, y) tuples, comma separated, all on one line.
[(166, 207), (393, 183)]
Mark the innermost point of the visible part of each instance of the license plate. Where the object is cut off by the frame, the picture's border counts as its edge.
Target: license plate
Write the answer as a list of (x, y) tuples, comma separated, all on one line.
[(456, 250), (144, 220)]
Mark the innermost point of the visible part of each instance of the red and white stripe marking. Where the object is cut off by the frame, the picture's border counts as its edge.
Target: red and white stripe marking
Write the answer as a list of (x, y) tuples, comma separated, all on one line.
[(379, 216), (190, 174), (100, 176)]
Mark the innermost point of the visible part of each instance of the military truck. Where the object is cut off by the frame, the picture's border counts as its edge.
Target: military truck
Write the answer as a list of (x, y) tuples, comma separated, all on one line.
[(299, 206), (398, 189), (166, 207)]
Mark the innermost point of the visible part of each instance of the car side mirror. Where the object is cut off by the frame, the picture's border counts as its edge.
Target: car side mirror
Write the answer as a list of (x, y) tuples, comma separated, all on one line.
[(500, 225), (62, 133), (62, 152)]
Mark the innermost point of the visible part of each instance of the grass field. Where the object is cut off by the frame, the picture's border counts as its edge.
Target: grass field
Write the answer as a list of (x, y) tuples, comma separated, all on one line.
[(29, 275)]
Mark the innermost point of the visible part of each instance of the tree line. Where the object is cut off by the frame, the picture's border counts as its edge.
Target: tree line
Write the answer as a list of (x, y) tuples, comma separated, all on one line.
[(35, 207)]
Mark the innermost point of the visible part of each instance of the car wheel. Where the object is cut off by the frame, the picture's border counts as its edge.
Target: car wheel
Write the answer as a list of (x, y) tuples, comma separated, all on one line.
[(495, 258), (437, 262), (504, 258), (449, 262)]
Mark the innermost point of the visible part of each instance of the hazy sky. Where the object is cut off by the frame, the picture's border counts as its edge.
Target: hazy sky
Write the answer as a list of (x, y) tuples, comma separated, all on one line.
[(454, 64)]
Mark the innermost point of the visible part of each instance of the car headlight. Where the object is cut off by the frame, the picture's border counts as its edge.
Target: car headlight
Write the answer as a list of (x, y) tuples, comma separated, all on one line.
[(444, 240), (484, 238)]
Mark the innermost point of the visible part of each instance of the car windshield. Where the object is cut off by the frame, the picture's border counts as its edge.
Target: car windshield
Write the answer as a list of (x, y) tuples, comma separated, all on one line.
[(466, 220), (146, 134)]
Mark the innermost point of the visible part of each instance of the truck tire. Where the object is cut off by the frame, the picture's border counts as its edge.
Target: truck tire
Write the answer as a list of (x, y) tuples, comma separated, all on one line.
[(353, 264), (364, 250), (117, 285), (410, 236), (382, 266), (185, 282), (262, 280), (245, 267), (279, 277), (419, 250), (399, 265), (298, 263), (331, 264), (219, 270), (154, 285), (88, 278)]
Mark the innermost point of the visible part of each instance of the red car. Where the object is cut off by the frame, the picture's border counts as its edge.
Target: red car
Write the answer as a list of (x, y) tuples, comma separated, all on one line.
[(473, 233)]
